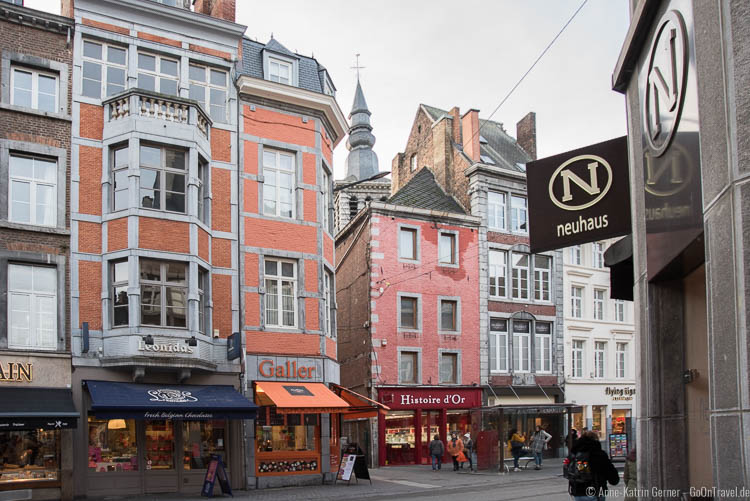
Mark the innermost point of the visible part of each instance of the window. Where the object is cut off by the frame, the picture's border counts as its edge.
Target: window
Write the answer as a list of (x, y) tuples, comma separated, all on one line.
[(353, 207), (498, 345), (202, 303), (32, 307), (413, 163), (328, 309), (576, 302), (208, 86), (326, 192), (600, 351), (278, 183), (408, 317), (281, 293), (158, 73), (619, 310), (597, 249), (575, 255), (279, 71), (120, 162), (119, 277), (113, 444), (163, 293), (408, 367), (33, 190), (599, 304), (543, 347), (577, 358), (407, 243), (448, 315), (104, 69), (520, 275), (276, 432), (448, 368), (203, 194), (621, 360), (518, 214), (34, 89), (163, 178), (447, 248), (496, 210), (521, 346), (201, 440), (498, 273), (542, 273)]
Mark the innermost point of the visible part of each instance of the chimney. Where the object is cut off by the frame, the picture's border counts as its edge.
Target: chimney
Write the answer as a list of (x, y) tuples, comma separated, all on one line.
[(526, 134), (66, 8), (455, 112), (470, 133), (222, 9)]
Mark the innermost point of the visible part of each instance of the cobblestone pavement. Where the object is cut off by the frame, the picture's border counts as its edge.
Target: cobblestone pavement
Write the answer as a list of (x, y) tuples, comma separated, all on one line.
[(420, 482)]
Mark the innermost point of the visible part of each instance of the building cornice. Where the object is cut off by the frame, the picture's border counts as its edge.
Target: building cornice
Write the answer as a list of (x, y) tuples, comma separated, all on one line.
[(301, 97), (35, 18), (494, 171), (445, 217)]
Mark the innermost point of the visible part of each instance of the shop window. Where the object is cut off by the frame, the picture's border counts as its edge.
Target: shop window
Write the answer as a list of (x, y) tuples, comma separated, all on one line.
[(498, 273), (32, 307), (34, 89), (448, 248), (163, 293), (33, 190), (599, 420), (449, 368), (112, 445), (201, 439), (408, 367), (400, 438), (29, 455), (163, 172), (281, 293), (520, 275), (158, 73), (542, 273), (496, 210), (119, 278), (103, 71), (285, 432), (458, 422), (518, 214), (278, 183), (208, 86), (159, 444), (521, 346), (120, 162), (408, 247), (498, 345)]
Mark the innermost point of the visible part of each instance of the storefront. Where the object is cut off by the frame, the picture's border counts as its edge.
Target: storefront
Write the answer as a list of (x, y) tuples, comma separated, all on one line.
[(36, 418), (417, 415), (605, 408), (158, 437)]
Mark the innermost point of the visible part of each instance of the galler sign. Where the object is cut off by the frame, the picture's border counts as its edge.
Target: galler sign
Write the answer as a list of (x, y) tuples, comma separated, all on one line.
[(579, 196)]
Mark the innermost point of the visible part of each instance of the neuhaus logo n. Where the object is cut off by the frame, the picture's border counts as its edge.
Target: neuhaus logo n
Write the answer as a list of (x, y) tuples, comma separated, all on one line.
[(572, 173)]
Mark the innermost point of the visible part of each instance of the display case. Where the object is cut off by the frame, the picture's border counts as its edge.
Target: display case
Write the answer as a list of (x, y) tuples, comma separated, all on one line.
[(159, 445), (29, 456)]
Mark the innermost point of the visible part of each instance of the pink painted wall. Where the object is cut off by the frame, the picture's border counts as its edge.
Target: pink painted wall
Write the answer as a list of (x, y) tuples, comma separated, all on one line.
[(431, 280)]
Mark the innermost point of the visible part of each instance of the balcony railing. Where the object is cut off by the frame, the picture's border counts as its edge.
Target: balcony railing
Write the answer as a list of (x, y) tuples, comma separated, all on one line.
[(144, 103)]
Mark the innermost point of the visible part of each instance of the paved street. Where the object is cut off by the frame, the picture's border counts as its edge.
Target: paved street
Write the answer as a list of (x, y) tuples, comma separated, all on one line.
[(419, 482)]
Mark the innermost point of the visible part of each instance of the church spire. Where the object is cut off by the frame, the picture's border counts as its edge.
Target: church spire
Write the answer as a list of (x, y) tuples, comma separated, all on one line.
[(362, 162)]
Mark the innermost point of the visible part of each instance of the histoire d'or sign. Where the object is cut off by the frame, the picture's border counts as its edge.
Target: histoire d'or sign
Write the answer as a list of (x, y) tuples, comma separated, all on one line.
[(579, 196)]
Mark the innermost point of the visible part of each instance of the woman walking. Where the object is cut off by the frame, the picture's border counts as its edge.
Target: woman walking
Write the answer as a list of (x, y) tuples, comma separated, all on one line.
[(515, 442), (455, 450), (538, 444)]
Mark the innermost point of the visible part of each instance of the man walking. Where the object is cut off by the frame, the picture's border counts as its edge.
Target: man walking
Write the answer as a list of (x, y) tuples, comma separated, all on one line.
[(437, 449)]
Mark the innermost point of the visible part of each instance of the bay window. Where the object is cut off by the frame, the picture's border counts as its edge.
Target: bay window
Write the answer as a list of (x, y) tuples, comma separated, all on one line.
[(163, 172), (163, 293), (119, 281)]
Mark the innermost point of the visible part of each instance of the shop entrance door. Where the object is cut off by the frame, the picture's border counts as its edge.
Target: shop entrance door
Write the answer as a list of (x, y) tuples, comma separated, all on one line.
[(160, 472), (430, 428)]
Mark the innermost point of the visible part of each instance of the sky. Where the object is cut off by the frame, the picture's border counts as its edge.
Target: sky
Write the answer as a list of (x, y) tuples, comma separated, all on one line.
[(468, 54)]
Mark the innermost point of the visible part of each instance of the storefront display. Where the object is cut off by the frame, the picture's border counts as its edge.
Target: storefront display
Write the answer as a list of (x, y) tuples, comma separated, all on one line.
[(112, 445), (599, 420), (400, 441), (201, 440), (29, 455)]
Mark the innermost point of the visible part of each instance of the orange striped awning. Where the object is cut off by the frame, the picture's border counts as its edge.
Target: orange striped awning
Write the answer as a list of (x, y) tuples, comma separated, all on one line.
[(359, 405), (296, 398)]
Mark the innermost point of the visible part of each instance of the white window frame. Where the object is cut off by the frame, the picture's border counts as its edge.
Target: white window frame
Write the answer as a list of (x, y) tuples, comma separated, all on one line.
[(599, 312), (542, 279), (413, 163), (203, 295), (600, 359), (162, 171), (115, 169), (35, 74), (496, 210), (121, 284), (204, 197), (207, 85), (33, 184), (621, 360), (416, 255), (34, 297), (277, 171), (519, 213), (576, 255), (104, 63), (165, 287), (452, 257), (498, 270), (597, 254), (521, 348), (157, 73), (280, 63), (418, 365), (417, 312), (519, 275), (326, 190), (576, 301), (577, 358), (279, 279), (500, 341), (328, 310), (619, 310), (543, 351)]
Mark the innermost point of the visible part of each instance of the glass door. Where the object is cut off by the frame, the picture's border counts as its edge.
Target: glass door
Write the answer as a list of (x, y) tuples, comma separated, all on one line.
[(430, 428), (159, 456)]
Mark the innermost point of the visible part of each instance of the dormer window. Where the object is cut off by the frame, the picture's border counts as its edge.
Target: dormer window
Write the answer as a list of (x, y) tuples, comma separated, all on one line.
[(482, 140), (279, 71), (486, 159)]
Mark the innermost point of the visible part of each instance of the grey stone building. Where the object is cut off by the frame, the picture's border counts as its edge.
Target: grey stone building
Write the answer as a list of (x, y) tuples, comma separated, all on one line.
[(684, 70)]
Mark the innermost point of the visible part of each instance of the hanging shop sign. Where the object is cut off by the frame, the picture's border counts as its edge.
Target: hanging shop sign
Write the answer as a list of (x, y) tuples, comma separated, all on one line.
[(16, 372), (431, 398), (580, 196)]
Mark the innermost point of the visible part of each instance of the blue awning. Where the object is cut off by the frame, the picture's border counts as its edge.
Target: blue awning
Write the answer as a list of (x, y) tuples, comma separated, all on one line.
[(168, 401)]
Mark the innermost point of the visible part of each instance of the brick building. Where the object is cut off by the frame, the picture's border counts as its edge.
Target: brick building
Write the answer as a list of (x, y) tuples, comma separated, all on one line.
[(409, 319), (35, 373), (483, 167)]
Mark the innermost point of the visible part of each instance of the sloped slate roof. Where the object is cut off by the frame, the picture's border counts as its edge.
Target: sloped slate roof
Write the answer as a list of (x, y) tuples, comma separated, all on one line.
[(423, 192), (504, 150), (252, 63)]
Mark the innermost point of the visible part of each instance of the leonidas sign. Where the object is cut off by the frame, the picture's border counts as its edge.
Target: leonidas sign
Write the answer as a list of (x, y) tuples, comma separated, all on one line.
[(579, 196)]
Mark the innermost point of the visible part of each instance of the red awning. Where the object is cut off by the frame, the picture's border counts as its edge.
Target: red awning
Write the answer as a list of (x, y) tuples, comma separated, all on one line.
[(359, 405)]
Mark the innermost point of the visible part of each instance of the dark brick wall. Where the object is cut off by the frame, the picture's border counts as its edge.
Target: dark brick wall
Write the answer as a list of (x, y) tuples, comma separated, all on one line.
[(526, 134)]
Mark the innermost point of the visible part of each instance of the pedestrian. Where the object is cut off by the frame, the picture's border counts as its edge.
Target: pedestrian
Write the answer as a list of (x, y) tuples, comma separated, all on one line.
[(590, 469), (456, 450), (630, 477), (538, 444), (437, 449), (468, 450), (515, 443)]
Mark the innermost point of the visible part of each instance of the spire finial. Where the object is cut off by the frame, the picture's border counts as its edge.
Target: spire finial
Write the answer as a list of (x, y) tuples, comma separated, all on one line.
[(357, 67), (272, 35)]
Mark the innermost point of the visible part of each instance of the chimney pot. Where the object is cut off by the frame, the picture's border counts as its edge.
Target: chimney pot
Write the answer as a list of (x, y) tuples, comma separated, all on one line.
[(526, 134), (470, 133)]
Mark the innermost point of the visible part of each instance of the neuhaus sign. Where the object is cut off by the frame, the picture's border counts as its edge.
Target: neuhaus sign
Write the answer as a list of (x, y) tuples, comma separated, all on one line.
[(579, 196)]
